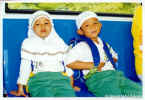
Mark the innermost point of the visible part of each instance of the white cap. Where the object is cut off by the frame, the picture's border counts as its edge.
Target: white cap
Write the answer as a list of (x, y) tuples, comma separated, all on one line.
[(37, 15), (84, 16)]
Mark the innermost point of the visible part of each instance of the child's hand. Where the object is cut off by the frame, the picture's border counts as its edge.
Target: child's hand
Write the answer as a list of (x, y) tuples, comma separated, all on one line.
[(72, 84), (115, 60), (101, 65), (76, 88), (99, 68), (19, 92)]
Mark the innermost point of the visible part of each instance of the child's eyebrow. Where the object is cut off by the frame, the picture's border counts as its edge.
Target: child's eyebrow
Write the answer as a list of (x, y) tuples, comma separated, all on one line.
[(47, 20), (97, 20)]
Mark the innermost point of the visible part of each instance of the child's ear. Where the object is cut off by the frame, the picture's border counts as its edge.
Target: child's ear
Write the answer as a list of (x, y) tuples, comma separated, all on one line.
[(80, 32)]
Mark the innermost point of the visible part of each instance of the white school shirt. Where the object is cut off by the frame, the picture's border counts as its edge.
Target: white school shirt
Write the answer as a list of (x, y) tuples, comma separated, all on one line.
[(82, 52), (42, 63)]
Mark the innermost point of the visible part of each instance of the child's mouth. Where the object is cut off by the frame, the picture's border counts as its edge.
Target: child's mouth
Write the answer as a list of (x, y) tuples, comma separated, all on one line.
[(94, 32), (43, 30)]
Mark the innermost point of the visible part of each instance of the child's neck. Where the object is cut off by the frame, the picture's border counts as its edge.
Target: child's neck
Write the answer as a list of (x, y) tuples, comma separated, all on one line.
[(95, 40)]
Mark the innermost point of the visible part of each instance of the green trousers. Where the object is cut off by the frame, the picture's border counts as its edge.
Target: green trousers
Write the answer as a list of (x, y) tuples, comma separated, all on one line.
[(50, 84), (112, 83)]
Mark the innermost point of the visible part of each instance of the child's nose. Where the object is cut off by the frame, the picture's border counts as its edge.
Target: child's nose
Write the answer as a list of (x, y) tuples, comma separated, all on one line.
[(93, 27), (43, 28)]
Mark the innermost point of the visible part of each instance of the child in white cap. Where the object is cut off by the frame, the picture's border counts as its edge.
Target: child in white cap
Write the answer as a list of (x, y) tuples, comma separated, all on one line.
[(43, 49), (97, 61)]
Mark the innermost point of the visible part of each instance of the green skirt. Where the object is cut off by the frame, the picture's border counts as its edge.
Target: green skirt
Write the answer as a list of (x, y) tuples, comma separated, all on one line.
[(50, 84), (112, 83)]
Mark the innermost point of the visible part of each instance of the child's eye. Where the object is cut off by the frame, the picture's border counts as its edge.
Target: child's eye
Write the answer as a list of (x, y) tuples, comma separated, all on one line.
[(86, 25), (37, 24), (46, 23), (95, 23)]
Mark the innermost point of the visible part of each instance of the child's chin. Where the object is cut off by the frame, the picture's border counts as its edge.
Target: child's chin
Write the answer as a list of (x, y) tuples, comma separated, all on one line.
[(43, 37), (95, 36)]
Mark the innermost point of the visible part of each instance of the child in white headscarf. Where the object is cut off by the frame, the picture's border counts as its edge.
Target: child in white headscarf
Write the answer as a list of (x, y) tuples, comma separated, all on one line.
[(97, 61), (44, 50)]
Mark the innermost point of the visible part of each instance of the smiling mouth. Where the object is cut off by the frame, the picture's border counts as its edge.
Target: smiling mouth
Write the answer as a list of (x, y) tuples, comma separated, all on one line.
[(94, 32)]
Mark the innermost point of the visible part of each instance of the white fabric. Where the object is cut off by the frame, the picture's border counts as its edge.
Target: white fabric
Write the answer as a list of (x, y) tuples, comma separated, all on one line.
[(52, 39), (140, 77), (82, 52), (46, 54), (25, 69), (84, 16)]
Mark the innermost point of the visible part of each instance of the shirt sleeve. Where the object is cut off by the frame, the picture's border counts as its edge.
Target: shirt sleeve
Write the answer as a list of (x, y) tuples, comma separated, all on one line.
[(114, 54), (26, 51), (25, 69), (76, 53)]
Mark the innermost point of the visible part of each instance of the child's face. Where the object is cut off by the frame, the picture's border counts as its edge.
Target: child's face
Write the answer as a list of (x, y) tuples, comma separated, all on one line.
[(91, 28), (42, 27)]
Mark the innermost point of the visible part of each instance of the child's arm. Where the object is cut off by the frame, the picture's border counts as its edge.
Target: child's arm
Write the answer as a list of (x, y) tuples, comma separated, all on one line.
[(19, 92), (85, 65), (25, 69), (100, 66), (81, 65)]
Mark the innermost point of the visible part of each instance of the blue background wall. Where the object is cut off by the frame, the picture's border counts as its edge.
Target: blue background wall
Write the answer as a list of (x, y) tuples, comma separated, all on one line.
[(116, 33)]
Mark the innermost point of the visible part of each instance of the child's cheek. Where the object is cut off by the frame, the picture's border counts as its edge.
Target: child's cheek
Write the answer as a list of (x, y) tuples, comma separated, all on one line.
[(48, 30), (37, 30), (87, 30), (48, 27), (98, 29)]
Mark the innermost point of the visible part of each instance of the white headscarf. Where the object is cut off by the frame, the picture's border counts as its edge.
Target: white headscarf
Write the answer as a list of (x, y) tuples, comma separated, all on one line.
[(84, 16), (34, 44)]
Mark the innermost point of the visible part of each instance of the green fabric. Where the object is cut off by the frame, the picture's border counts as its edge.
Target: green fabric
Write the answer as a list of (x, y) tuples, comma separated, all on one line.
[(50, 84), (112, 83)]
